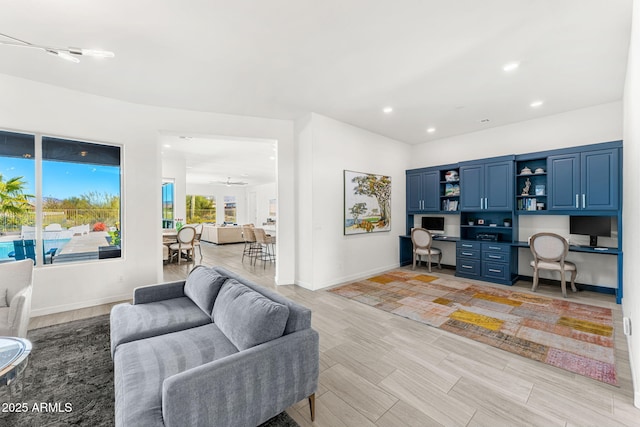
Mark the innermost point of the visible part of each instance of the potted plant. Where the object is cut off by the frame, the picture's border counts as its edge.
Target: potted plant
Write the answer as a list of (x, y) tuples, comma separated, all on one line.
[(471, 221), (507, 222)]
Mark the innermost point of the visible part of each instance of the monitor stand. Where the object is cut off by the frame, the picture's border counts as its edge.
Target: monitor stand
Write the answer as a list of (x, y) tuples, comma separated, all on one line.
[(593, 241)]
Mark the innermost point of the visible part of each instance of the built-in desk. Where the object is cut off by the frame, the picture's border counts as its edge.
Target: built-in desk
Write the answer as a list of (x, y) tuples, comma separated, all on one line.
[(406, 247), (406, 256)]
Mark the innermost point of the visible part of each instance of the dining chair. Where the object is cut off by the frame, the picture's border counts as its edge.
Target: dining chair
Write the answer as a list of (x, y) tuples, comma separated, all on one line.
[(549, 252), (421, 239), (186, 235), (266, 245), (251, 246)]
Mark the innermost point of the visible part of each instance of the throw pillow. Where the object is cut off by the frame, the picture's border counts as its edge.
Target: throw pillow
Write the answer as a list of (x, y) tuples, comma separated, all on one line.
[(3, 297), (202, 287), (246, 317)]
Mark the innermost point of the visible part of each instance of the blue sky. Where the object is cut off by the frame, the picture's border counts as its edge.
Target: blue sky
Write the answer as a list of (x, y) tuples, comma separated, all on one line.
[(62, 180)]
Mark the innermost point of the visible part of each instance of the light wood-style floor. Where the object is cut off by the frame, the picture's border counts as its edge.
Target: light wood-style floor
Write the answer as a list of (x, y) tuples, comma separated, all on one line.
[(378, 369)]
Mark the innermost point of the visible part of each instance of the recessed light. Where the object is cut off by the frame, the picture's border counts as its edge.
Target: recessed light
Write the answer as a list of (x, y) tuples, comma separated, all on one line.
[(167, 145), (387, 110), (511, 66), (536, 104), (431, 130), (272, 158)]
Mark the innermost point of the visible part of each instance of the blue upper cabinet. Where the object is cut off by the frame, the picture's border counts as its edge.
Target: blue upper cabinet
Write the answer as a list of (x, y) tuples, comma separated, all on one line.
[(487, 185), (422, 191), (584, 181), (472, 184)]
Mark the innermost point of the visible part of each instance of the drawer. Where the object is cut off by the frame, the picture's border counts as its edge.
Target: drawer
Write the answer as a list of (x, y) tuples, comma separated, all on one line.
[(496, 270), (468, 253), (495, 256), (469, 244), (468, 267), (496, 247)]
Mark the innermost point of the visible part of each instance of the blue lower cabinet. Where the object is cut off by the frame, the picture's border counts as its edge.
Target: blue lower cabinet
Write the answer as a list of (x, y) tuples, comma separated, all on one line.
[(492, 262), (495, 270)]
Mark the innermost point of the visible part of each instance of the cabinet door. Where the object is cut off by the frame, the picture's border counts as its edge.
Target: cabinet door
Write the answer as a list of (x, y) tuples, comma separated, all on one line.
[(599, 180), (563, 182), (499, 186), (471, 187), (430, 191), (414, 192)]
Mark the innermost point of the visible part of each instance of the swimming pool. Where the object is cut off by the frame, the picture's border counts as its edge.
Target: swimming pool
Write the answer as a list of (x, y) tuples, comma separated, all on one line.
[(7, 247)]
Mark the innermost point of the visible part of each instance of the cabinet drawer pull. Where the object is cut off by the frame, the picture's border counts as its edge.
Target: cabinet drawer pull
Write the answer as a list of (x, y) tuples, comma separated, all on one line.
[(495, 271), (467, 266), (495, 248), (495, 257), (577, 202), (467, 253), (466, 246)]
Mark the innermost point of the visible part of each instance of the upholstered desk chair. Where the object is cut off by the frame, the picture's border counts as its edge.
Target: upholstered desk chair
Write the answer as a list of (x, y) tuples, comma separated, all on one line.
[(421, 240), (549, 252), (185, 237), (16, 283)]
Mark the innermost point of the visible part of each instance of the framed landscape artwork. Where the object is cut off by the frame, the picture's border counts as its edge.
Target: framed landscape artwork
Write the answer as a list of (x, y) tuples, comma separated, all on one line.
[(367, 202)]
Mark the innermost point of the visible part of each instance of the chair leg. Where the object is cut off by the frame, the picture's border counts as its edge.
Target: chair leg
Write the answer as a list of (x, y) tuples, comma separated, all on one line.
[(535, 280), (414, 261), (312, 406), (439, 260), (563, 283), (573, 281), (429, 262)]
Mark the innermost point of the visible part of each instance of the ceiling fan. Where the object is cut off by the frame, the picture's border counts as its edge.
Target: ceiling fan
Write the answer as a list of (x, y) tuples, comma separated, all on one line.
[(229, 183)]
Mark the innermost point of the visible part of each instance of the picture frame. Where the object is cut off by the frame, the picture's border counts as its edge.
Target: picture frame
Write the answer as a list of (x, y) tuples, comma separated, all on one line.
[(367, 203), (540, 189), (480, 222)]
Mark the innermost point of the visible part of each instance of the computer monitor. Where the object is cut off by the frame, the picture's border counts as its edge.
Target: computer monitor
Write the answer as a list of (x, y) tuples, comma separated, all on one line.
[(435, 224), (592, 226)]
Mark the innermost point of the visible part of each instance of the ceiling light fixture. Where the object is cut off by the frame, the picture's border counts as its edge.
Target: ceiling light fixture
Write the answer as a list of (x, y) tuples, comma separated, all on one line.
[(511, 66), (387, 110), (536, 104), (431, 130), (68, 53)]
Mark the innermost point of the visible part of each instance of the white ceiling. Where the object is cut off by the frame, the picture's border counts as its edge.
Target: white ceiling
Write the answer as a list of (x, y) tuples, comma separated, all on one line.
[(437, 63), (217, 161)]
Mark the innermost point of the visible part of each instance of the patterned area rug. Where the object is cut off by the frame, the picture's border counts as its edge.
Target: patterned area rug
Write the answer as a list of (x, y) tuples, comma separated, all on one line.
[(571, 336), (69, 380)]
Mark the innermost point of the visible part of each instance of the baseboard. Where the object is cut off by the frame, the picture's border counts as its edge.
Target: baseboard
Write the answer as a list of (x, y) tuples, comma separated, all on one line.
[(580, 286), (79, 305), (354, 277)]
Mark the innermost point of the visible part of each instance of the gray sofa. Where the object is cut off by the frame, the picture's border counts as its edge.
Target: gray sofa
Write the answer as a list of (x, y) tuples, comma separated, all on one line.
[(212, 350)]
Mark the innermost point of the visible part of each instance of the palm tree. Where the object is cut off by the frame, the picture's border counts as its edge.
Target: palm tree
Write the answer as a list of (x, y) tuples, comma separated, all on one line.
[(13, 200)]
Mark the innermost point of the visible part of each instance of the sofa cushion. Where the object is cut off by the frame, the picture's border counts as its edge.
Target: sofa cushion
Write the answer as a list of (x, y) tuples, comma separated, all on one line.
[(247, 317), (140, 368), (3, 297), (135, 322), (202, 286)]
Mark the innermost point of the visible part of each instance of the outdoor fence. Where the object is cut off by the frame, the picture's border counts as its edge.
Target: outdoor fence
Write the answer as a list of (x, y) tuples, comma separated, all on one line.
[(65, 217)]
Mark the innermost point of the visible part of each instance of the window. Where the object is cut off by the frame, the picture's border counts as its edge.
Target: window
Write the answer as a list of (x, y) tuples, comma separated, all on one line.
[(167, 204), (230, 209), (201, 209), (78, 197)]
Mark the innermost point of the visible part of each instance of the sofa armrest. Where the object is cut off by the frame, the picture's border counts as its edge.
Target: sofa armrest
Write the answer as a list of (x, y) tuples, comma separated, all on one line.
[(19, 310), (159, 292), (246, 388)]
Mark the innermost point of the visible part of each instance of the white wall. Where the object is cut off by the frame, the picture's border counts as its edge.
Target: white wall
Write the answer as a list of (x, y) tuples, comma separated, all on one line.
[(631, 209), (36, 107), (326, 148), (601, 123), (591, 125), (263, 194)]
